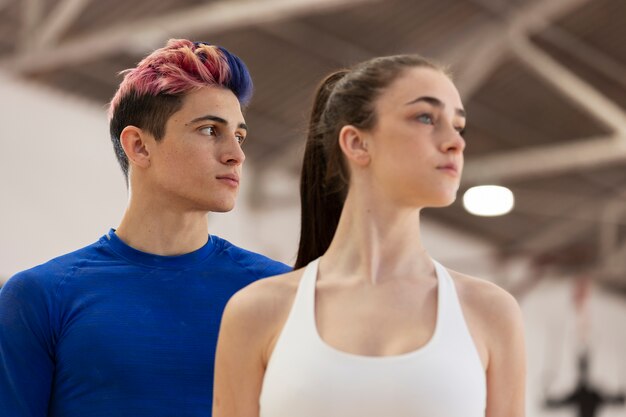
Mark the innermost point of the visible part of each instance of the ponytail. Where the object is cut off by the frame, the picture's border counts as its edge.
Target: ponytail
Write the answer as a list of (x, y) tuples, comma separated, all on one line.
[(322, 189)]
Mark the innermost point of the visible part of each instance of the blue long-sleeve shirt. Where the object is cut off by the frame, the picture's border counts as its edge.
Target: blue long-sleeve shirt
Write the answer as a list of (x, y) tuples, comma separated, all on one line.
[(112, 331)]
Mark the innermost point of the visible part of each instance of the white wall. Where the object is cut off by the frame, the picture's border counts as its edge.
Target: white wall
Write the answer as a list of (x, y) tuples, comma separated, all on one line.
[(60, 187)]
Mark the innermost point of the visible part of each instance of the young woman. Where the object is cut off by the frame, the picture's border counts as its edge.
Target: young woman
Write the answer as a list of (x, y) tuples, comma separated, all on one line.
[(373, 326)]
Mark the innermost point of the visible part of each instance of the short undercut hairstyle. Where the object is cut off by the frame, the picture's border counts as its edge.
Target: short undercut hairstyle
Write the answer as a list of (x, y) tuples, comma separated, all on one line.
[(154, 90)]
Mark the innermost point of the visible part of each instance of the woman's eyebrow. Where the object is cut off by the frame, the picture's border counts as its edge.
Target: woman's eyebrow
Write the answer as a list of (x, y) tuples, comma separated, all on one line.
[(433, 101)]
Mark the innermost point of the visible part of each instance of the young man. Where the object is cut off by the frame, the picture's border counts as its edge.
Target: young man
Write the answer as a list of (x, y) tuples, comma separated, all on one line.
[(127, 326)]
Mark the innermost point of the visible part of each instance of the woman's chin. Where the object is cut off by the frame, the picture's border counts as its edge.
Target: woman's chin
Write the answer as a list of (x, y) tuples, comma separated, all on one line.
[(443, 200)]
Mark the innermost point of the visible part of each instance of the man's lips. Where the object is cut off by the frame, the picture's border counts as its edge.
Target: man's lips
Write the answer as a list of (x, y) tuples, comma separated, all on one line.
[(232, 179)]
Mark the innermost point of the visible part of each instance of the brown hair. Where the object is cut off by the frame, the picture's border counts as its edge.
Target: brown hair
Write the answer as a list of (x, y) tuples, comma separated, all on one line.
[(345, 97)]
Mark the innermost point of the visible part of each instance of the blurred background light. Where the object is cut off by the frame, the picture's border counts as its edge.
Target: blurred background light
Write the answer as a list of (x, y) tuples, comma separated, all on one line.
[(488, 200)]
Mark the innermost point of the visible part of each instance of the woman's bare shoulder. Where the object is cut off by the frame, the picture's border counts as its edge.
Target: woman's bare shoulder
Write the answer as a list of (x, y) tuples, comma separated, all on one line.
[(494, 315), (481, 293), (277, 286), (490, 306), (266, 300)]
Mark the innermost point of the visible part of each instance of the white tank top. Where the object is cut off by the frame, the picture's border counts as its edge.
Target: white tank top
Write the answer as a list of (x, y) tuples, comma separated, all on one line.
[(306, 377)]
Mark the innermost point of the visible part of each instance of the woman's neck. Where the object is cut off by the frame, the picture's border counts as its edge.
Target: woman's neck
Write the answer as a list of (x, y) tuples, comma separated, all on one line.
[(377, 242)]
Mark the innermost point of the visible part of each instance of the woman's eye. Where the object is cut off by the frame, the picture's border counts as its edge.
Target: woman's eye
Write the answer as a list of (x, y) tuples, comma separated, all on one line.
[(240, 139), (426, 118), (461, 130), (208, 130)]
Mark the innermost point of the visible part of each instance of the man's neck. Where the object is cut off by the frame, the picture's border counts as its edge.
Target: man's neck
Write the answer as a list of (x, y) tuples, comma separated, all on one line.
[(161, 231)]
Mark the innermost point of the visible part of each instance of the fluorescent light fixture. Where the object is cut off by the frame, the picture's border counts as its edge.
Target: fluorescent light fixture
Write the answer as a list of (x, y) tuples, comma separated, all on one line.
[(488, 200)]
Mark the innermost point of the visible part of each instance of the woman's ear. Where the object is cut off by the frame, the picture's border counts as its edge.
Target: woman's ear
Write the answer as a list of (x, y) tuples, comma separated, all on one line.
[(353, 143), (133, 140)]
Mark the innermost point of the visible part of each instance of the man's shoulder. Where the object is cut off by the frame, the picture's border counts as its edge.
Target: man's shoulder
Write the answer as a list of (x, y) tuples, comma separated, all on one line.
[(50, 274), (259, 265)]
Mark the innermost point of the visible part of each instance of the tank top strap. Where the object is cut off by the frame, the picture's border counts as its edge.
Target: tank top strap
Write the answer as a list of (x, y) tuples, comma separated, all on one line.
[(453, 324), (301, 320), (306, 288)]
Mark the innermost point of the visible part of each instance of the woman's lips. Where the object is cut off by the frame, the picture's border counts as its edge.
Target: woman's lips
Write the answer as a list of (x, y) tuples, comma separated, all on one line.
[(449, 168)]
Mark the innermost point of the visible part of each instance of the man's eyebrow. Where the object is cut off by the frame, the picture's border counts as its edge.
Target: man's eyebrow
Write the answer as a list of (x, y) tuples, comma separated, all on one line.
[(433, 101), (216, 119)]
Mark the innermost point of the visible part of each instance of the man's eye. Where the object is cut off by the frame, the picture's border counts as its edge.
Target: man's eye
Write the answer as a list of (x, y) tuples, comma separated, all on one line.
[(208, 130), (425, 118)]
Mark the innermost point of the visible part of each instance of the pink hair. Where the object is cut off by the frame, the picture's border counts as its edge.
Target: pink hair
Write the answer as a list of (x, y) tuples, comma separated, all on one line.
[(178, 67)]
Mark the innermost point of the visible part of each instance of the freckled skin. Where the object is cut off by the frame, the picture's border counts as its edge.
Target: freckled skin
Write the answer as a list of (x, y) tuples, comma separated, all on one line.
[(187, 160)]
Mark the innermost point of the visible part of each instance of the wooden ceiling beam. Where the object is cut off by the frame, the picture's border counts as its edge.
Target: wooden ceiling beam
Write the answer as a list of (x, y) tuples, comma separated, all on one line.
[(584, 52), (61, 18), (214, 17), (569, 227), (570, 85), (322, 44), (540, 161), (32, 12), (477, 54)]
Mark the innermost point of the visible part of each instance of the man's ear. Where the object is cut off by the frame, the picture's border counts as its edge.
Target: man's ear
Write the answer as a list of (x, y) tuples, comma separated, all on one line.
[(354, 145), (133, 140)]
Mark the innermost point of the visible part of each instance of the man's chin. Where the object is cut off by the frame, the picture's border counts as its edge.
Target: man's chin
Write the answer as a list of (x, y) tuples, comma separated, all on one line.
[(222, 208)]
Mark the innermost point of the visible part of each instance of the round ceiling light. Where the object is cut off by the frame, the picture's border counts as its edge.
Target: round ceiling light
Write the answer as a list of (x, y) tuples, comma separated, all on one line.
[(488, 200)]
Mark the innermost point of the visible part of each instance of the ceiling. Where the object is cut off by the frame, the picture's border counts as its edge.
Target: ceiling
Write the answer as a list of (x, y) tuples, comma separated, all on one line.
[(543, 82)]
